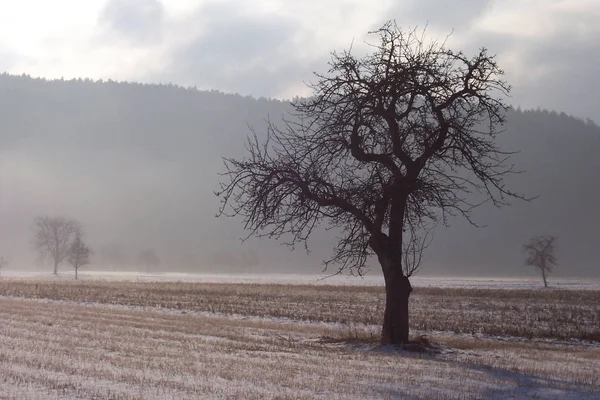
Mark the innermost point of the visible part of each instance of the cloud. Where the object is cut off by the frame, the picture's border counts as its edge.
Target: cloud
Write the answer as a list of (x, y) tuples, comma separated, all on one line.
[(239, 50), (551, 61), (7, 59), (240, 35), (265, 48), (566, 75), (138, 21), (550, 49), (442, 15)]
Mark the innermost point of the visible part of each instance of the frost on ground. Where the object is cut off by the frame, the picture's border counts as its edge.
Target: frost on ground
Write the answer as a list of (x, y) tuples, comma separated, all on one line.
[(110, 340), (72, 350), (313, 279), (547, 314)]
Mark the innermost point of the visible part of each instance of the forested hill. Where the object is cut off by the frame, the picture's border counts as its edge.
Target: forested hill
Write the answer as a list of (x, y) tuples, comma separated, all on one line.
[(138, 164)]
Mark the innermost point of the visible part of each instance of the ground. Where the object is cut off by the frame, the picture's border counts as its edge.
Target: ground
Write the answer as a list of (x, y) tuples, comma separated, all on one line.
[(111, 339)]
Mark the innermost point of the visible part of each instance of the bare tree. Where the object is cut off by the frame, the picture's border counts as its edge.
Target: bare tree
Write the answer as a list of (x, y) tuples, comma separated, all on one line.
[(540, 254), (188, 260), (149, 258), (114, 254), (4, 261), (53, 238), (386, 146), (249, 258), (80, 253)]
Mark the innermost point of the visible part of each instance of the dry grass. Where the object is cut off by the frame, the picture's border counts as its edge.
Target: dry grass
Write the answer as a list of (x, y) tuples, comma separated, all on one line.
[(545, 314), (73, 350)]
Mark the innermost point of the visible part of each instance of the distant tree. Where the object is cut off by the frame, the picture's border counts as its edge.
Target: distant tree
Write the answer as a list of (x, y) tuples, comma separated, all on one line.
[(54, 237), (387, 145), (149, 258), (248, 259), (540, 254), (114, 254), (4, 261), (80, 253), (188, 260)]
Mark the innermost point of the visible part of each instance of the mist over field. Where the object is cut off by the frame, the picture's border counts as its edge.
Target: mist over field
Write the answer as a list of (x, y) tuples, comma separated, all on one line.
[(137, 165)]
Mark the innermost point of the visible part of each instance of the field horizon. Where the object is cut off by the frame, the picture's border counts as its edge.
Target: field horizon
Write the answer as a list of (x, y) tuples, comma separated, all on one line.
[(370, 279)]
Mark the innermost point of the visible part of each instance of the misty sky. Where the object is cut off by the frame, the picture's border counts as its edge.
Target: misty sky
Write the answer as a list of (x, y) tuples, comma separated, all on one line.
[(550, 49)]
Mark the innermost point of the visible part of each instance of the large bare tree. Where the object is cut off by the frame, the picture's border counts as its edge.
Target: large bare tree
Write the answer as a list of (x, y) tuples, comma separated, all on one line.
[(54, 237), (80, 253), (540, 254), (387, 145)]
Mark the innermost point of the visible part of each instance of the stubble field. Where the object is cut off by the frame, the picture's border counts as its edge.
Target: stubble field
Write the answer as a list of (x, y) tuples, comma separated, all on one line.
[(182, 340)]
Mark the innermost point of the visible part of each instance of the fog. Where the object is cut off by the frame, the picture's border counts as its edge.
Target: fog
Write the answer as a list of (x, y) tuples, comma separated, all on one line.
[(137, 165)]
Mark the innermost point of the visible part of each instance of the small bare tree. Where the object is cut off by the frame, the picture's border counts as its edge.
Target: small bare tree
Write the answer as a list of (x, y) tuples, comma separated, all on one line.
[(188, 260), (54, 237), (80, 253), (114, 254), (4, 261), (149, 258), (540, 254)]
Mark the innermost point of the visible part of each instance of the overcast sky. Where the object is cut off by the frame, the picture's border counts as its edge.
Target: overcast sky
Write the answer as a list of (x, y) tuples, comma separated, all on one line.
[(550, 49)]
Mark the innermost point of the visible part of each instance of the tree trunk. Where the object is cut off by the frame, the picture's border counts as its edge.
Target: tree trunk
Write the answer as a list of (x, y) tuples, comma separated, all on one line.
[(76, 269), (55, 268), (395, 318), (544, 276)]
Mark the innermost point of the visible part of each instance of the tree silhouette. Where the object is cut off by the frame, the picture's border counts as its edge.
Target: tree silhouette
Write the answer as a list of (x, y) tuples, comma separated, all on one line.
[(4, 261), (387, 145), (114, 254), (80, 253), (149, 258), (53, 238), (540, 254)]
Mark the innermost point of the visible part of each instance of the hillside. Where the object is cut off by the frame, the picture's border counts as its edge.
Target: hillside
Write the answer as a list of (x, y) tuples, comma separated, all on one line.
[(138, 164)]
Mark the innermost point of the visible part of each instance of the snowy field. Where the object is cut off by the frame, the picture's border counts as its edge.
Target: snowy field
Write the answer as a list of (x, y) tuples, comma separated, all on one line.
[(307, 279), (76, 351), (182, 336)]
